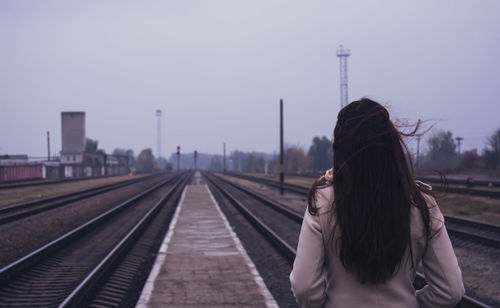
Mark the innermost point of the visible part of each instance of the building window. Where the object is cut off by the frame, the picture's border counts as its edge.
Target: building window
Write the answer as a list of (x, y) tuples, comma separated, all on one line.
[(67, 158), (74, 158)]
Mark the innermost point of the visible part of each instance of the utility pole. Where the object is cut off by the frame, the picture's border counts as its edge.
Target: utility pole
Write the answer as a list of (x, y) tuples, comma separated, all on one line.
[(282, 167), (418, 152), (178, 157), (459, 141), (158, 116), (498, 148), (224, 159), (343, 54), (48, 145), (195, 157)]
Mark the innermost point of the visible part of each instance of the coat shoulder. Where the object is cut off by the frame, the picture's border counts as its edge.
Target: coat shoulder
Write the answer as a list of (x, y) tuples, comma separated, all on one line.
[(324, 196)]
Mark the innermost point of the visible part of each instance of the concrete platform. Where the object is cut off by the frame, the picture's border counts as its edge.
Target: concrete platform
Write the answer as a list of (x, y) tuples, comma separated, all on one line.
[(201, 262)]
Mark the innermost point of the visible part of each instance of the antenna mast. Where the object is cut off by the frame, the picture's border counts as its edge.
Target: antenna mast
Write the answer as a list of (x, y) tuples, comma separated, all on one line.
[(343, 54)]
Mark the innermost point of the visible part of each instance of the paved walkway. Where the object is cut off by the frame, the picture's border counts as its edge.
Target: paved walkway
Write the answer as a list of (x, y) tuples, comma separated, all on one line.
[(202, 263)]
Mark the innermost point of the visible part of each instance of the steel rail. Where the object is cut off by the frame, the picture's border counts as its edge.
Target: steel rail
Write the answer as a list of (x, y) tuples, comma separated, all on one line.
[(65, 195), (16, 267), (453, 224), (489, 183), (39, 182), (122, 285), (492, 228), (471, 191), (289, 253), (280, 243), (286, 186), (461, 182), (474, 231), (493, 242), (90, 282), (300, 189), (21, 210), (276, 205)]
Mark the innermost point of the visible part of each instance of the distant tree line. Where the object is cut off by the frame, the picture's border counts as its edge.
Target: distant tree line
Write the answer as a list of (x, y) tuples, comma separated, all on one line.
[(440, 151), (442, 154), (296, 159), (249, 162)]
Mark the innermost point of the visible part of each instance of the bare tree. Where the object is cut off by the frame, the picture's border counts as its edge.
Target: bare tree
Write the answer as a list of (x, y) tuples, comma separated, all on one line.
[(215, 163), (492, 152), (320, 154), (296, 160), (91, 145), (442, 152), (145, 161)]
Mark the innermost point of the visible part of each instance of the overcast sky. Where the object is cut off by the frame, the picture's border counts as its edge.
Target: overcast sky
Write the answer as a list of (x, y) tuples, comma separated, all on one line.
[(217, 69)]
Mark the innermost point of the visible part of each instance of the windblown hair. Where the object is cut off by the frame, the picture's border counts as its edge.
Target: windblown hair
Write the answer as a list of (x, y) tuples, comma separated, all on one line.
[(374, 190)]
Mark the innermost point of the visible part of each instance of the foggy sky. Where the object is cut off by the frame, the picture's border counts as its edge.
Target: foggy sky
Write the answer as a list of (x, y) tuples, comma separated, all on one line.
[(217, 69)]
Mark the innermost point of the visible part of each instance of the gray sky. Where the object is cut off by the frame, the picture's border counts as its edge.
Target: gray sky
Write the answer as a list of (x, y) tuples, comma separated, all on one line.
[(217, 69)]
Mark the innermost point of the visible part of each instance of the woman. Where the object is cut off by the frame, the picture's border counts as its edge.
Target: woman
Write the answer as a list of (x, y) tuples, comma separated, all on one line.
[(369, 224)]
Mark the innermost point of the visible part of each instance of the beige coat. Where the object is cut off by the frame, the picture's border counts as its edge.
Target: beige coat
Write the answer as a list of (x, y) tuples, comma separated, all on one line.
[(318, 278)]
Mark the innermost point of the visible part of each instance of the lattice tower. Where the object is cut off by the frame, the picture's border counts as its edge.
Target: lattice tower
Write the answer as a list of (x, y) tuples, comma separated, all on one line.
[(343, 54)]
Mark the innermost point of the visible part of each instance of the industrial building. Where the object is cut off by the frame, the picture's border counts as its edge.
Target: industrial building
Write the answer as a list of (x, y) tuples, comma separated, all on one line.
[(74, 160)]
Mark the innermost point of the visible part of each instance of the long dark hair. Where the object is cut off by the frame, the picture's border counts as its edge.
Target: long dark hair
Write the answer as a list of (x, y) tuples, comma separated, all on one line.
[(374, 190)]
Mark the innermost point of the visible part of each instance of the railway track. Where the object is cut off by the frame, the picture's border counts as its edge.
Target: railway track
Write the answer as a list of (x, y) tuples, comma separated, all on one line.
[(17, 211), (466, 182), (428, 179), (282, 241), (474, 231), (301, 190), (38, 182), (97, 262), (452, 185)]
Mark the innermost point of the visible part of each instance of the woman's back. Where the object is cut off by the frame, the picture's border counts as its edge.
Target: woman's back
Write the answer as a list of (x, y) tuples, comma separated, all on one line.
[(369, 223), (318, 276)]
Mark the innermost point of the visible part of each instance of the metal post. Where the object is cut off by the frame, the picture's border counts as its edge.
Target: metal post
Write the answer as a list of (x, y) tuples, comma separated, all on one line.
[(178, 157), (459, 141), (282, 168), (343, 54), (158, 116), (48, 145), (418, 152), (195, 158), (498, 148), (224, 159)]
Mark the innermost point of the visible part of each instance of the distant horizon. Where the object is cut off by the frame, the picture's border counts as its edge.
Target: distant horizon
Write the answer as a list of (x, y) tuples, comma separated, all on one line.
[(411, 144)]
